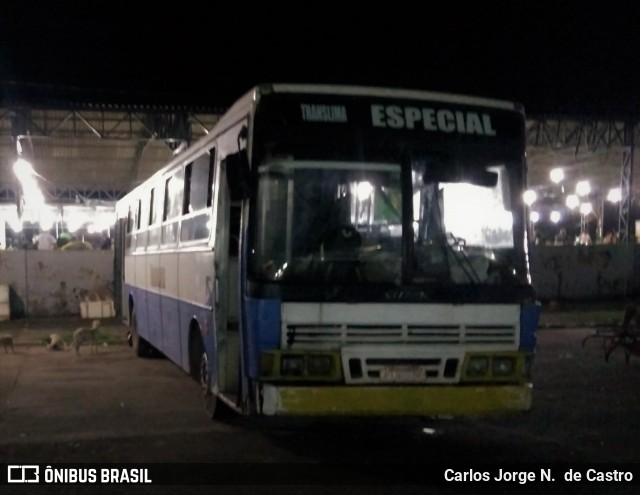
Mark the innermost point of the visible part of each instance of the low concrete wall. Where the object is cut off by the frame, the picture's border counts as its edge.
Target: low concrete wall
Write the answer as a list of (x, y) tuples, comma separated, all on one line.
[(52, 283), (585, 272)]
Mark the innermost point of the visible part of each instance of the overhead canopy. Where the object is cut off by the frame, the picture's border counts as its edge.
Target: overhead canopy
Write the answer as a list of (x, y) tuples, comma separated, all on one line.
[(97, 152), (93, 152)]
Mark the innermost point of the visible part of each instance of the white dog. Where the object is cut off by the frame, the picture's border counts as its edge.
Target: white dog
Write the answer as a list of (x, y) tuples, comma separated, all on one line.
[(7, 342), (83, 334), (55, 342)]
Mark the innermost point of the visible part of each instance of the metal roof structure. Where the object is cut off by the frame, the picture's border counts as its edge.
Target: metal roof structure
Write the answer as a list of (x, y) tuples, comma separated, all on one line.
[(96, 152), (93, 151)]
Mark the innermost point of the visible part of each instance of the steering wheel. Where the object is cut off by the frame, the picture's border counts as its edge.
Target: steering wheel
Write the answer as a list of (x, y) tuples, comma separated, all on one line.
[(343, 237)]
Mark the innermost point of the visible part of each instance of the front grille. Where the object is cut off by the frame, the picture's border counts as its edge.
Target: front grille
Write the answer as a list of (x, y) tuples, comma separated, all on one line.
[(400, 343), (338, 335)]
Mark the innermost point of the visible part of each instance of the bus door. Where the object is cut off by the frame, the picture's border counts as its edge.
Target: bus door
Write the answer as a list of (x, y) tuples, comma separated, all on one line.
[(227, 288)]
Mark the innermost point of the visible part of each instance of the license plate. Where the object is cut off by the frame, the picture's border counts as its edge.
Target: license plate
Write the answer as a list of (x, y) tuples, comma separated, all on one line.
[(402, 374)]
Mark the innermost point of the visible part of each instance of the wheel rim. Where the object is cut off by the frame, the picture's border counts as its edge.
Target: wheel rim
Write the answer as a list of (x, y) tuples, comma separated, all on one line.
[(208, 397)]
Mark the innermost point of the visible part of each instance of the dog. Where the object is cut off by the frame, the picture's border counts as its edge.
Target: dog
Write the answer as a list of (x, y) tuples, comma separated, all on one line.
[(55, 342), (7, 342), (84, 334)]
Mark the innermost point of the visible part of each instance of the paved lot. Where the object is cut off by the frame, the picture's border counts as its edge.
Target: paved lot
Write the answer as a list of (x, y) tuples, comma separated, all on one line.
[(114, 407)]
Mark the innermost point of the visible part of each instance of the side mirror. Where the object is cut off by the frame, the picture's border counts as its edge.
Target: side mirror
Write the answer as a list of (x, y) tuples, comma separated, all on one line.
[(238, 175)]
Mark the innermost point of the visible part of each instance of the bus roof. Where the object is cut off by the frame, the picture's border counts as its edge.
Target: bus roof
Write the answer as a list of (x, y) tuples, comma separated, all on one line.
[(389, 93), (241, 107)]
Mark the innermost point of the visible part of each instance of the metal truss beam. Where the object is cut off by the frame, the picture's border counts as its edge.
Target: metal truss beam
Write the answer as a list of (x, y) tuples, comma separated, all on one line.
[(626, 183), (588, 134), (9, 194), (173, 126)]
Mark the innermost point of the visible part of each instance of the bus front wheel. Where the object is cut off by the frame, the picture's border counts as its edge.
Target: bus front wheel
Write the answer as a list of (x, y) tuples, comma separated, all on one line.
[(200, 371), (209, 398)]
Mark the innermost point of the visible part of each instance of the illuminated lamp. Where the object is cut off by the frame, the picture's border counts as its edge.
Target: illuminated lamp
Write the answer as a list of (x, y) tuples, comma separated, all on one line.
[(556, 175), (586, 208), (572, 201), (583, 188), (529, 197), (614, 195)]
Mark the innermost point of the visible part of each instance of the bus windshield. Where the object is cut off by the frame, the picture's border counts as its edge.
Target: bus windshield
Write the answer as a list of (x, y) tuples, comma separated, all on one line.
[(342, 223), (336, 222)]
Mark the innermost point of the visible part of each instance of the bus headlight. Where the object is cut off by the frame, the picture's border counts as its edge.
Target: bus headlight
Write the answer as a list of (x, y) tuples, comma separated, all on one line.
[(503, 366), (478, 366), (319, 364), (292, 364), (300, 366)]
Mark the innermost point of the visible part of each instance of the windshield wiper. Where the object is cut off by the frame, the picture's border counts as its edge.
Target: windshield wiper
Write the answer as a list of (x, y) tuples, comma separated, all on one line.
[(461, 258)]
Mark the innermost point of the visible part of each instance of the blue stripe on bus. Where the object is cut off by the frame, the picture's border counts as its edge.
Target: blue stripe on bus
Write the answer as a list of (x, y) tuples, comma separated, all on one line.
[(154, 317), (529, 318), (164, 322), (261, 332)]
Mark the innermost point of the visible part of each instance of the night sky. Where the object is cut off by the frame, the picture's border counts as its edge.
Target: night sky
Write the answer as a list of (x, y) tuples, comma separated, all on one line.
[(550, 56)]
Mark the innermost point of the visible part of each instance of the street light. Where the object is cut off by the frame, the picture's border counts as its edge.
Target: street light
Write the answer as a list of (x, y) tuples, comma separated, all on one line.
[(583, 188), (556, 175), (572, 201), (529, 197), (615, 195), (586, 208)]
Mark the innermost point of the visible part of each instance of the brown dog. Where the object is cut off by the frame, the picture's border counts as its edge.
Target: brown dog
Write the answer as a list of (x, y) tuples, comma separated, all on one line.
[(84, 334), (7, 342)]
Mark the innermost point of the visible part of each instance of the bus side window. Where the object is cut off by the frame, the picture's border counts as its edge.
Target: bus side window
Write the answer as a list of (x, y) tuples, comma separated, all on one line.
[(197, 198), (173, 205), (144, 215), (143, 221), (136, 240), (136, 218), (155, 206), (129, 228), (212, 168), (200, 185), (187, 207), (151, 206)]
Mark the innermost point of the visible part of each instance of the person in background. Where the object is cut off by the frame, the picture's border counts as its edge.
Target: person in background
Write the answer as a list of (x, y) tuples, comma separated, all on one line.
[(561, 238), (76, 245), (63, 239), (584, 239), (45, 241), (106, 243)]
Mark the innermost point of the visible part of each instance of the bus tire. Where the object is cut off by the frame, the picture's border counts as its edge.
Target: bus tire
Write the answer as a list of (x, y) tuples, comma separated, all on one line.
[(199, 366), (209, 397), (140, 346), (201, 372)]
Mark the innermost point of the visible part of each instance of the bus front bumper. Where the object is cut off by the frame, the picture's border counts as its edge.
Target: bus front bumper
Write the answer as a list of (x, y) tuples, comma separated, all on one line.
[(459, 400)]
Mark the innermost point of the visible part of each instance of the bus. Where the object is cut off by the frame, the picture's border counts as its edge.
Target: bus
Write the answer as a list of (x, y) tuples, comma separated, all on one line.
[(332, 250)]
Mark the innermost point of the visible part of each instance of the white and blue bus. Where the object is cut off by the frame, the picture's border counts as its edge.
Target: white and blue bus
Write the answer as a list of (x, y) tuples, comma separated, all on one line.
[(340, 250)]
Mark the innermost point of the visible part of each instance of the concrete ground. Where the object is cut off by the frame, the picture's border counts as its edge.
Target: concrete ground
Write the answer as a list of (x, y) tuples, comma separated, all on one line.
[(56, 407)]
